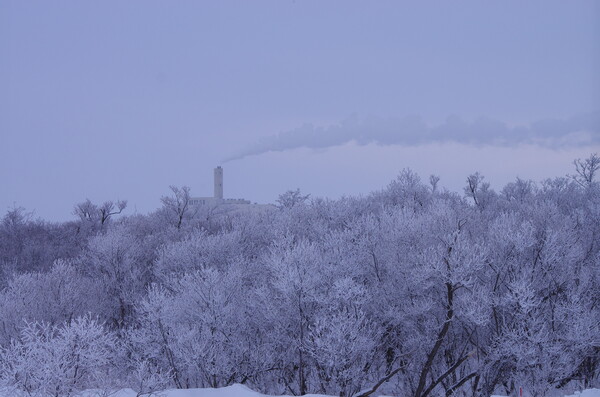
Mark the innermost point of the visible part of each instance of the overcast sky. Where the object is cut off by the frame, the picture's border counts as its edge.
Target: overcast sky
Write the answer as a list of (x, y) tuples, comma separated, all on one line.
[(120, 99)]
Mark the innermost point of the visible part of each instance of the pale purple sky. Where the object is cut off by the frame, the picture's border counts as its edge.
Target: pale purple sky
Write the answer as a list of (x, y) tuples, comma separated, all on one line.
[(120, 99)]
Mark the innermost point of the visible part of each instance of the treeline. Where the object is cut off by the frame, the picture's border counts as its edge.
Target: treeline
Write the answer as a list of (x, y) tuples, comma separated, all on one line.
[(411, 290)]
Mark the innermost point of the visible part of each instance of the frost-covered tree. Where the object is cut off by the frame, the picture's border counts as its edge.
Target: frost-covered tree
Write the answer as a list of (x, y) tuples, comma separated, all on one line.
[(116, 260), (479, 191), (586, 170), (59, 360), (94, 217), (291, 198), (412, 290), (55, 297), (178, 205)]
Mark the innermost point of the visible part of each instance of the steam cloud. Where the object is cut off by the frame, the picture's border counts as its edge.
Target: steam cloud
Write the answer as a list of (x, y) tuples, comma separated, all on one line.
[(578, 130)]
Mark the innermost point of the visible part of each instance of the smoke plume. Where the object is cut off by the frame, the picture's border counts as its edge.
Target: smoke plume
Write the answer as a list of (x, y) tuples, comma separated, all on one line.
[(578, 130)]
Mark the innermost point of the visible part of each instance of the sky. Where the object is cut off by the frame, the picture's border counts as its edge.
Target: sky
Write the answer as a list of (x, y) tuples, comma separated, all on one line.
[(121, 99)]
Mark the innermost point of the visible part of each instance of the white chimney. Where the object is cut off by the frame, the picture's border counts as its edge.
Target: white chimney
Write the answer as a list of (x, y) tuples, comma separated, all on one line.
[(219, 183)]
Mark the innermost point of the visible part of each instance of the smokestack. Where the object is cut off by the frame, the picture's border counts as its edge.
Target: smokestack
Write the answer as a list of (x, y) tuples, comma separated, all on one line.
[(219, 183)]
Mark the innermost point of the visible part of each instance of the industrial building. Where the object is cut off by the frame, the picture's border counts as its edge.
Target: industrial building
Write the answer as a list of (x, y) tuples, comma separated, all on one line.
[(217, 197)]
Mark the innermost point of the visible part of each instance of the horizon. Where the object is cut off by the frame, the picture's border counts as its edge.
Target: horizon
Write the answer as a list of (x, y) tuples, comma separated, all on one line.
[(131, 210)]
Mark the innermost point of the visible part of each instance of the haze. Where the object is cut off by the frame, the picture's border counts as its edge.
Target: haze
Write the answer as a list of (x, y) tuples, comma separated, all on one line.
[(119, 100)]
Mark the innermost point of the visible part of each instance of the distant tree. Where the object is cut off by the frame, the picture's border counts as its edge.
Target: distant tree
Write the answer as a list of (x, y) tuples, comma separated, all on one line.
[(520, 190), (28, 244), (16, 217), (178, 205), (586, 170), (291, 198), (433, 181), (406, 191), (13, 238), (98, 215), (109, 208), (199, 250), (479, 190)]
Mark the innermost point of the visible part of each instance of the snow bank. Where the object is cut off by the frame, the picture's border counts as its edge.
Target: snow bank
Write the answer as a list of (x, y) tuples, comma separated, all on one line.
[(236, 390), (586, 393)]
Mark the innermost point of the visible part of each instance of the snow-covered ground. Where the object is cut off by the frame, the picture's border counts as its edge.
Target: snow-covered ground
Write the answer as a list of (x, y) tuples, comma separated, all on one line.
[(236, 390), (585, 393)]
